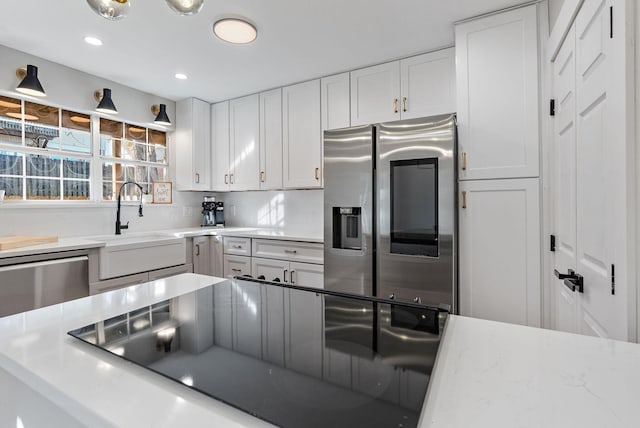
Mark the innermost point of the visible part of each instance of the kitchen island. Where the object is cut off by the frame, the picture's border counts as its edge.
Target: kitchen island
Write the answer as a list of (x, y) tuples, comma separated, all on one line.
[(487, 374)]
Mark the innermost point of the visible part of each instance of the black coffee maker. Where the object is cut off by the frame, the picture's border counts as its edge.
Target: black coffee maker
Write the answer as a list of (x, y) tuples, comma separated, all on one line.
[(212, 212)]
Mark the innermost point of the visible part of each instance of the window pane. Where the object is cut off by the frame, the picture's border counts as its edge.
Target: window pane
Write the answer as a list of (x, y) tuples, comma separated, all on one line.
[(76, 190), (42, 166), (135, 133), (110, 147), (134, 151), (12, 187), (157, 153), (158, 174), (76, 132), (107, 191), (43, 189), (111, 133), (10, 124), (10, 163), (157, 137), (41, 136), (76, 168), (39, 114), (142, 174)]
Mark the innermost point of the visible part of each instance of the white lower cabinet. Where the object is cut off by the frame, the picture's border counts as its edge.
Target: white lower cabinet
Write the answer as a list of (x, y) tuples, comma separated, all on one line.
[(270, 270), (273, 325), (303, 274), (201, 255), (247, 320), (236, 266), (499, 230), (306, 274), (304, 338)]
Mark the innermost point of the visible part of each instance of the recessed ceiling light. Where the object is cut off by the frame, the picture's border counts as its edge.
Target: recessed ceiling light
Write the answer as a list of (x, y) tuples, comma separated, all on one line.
[(234, 30), (181, 76), (93, 41)]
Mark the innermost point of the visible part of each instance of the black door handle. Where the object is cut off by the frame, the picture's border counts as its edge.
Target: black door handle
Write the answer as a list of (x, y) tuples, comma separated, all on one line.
[(572, 280)]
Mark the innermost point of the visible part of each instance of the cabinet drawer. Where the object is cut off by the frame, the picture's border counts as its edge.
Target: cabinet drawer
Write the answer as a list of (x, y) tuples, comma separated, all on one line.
[(288, 250), (236, 266), (237, 246)]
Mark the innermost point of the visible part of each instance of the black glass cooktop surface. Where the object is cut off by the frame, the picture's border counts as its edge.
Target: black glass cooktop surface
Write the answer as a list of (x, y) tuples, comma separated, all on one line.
[(290, 356)]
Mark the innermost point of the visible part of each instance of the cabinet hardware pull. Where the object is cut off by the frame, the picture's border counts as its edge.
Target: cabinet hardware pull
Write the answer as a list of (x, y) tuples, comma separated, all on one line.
[(464, 200), (291, 277), (290, 251), (317, 173), (392, 296), (231, 178), (404, 103), (395, 105), (226, 179), (285, 275), (237, 246), (197, 249), (236, 270), (262, 176), (197, 177), (464, 161)]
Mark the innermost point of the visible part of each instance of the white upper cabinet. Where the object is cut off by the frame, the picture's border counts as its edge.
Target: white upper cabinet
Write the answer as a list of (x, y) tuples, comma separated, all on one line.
[(497, 92), (220, 146), (271, 140), (302, 135), (428, 84), (418, 86), (375, 94), (244, 140), (335, 102), (193, 145)]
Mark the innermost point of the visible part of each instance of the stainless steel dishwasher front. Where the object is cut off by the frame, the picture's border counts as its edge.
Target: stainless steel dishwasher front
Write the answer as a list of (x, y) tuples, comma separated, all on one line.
[(26, 286)]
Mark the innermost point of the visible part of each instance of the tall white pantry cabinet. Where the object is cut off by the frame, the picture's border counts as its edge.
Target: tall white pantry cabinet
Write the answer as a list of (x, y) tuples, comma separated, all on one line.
[(498, 103)]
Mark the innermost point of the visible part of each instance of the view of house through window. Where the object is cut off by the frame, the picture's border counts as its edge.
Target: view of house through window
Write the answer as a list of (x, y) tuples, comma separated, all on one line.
[(46, 154)]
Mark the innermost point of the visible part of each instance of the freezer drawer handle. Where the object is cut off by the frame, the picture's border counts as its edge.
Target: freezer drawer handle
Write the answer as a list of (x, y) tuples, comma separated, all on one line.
[(572, 280)]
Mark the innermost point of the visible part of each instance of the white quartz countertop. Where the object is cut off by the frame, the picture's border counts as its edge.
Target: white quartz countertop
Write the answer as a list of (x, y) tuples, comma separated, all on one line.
[(78, 243), (487, 374)]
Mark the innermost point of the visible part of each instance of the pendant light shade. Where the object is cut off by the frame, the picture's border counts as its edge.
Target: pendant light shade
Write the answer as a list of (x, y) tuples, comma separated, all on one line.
[(30, 85), (106, 104), (162, 118), (186, 7), (112, 10)]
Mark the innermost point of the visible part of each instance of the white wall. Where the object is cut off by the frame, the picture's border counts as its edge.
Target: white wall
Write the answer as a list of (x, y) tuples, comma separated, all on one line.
[(297, 211), (554, 11), (73, 89)]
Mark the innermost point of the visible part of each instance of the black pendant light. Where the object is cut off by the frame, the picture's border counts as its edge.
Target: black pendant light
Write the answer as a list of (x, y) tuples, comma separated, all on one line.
[(162, 118), (30, 84), (106, 104)]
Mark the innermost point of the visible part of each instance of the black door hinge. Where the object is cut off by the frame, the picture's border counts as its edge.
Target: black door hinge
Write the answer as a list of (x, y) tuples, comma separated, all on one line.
[(613, 279), (552, 243), (552, 107), (611, 22)]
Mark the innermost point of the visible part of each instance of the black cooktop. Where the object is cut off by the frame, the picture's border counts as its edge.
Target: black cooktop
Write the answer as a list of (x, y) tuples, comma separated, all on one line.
[(294, 357)]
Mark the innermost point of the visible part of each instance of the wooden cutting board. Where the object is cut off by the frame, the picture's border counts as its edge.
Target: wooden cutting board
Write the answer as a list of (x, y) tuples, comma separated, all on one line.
[(9, 242)]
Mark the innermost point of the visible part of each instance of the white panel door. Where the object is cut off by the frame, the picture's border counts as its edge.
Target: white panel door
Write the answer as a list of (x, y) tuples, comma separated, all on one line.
[(271, 270), (223, 315), (201, 255), (499, 224), (273, 325), (306, 275), (247, 318), (202, 145), (497, 95), (304, 334), (428, 84), (302, 135), (271, 140), (220, 146), (564, 71), (335, 102), (244, 124), (375, 94)]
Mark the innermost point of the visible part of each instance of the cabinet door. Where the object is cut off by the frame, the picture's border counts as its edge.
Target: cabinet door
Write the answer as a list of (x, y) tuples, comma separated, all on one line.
[(244, 123), (304, 338), (302, 142), (236, 265), (273, 325), (272, 270), (201, 255), (497, 92), (428, 84), (500, 250), (335, 102), (271, 140), (247, 319), (223, 314), (193, 145), (375, 94), (306, 275), (220, 146)]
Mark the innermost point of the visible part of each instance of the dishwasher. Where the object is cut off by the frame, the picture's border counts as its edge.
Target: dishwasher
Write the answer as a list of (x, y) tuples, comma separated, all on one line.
[(31, 282)]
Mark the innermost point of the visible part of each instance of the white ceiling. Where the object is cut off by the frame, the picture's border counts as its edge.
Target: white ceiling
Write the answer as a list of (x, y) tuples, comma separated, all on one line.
[(297, 40)]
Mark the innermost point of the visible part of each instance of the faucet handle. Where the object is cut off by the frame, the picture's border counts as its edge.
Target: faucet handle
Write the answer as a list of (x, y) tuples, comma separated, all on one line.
[(124, 226)]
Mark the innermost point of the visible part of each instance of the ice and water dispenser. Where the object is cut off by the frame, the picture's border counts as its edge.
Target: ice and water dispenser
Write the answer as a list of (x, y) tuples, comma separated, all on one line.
[(347, 228)]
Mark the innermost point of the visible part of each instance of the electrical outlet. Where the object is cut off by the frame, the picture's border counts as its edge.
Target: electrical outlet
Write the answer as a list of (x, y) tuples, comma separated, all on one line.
[(187, 211)]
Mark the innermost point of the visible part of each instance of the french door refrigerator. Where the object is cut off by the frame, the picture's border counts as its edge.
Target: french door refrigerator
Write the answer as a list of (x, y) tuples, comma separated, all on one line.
[(390, 210)]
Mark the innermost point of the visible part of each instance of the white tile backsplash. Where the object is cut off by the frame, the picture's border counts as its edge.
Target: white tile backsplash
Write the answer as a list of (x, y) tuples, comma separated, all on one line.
[(295, 211)]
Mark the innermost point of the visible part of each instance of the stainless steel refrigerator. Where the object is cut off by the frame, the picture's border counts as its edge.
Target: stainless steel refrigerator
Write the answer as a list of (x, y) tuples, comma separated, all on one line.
[(390, 210)]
